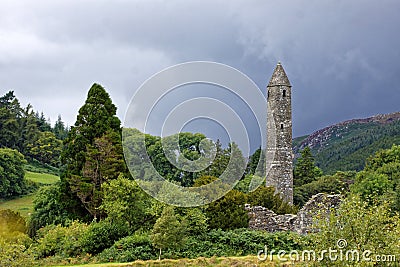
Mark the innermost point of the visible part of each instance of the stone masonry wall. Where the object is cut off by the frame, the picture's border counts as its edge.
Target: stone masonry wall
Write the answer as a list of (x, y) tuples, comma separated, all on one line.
[(319, 205)]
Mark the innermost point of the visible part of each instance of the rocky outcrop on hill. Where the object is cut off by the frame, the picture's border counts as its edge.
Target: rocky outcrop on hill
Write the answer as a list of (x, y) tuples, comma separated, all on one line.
[(321, 137)]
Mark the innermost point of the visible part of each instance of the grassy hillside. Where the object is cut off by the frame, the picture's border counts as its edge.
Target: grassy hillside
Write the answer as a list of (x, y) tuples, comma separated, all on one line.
[(24, 204), (42, 178), (346, 146)]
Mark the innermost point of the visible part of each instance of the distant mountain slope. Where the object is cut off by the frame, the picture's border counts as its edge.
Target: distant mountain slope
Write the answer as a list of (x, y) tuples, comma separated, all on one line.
[(346, 145)]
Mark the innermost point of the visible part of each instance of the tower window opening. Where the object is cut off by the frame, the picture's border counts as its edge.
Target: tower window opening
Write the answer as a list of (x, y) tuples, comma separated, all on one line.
[(284, 93), (281, 126)]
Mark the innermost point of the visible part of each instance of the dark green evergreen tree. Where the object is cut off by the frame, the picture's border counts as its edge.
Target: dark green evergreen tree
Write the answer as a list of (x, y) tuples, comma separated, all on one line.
[(10, 113), (96, 131), (43, 124), (29, 131), (60, 130), (305, 171)]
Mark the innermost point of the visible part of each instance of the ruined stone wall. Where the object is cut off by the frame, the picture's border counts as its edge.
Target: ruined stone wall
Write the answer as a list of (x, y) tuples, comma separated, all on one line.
[(319, 205)]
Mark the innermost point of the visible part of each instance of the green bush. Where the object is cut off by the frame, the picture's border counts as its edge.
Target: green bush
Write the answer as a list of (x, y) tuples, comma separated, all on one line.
[(361, 226), (60, 240), (48, 209), (130, 248), (238, 242), (12, 180), (228, 212), (102, 235), (266, 197), (15, 252)]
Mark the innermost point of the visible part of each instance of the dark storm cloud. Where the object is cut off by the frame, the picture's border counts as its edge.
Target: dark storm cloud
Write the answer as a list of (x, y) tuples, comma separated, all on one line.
[(342, 57)]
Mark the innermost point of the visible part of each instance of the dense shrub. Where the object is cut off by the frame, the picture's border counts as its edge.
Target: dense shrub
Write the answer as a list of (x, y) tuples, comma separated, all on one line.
[(130, 248), (48, 209), (363, 227), (228, 212), (236, 242), (60, 240), (15, 252), (12, 181), (266, 197), (102, 235)]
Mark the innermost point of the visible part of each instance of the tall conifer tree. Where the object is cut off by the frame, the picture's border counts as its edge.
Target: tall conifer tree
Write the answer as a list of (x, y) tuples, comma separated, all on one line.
[(92, 148)]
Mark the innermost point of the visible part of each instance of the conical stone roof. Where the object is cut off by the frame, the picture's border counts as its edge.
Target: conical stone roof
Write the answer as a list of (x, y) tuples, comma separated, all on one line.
[(279, 77)]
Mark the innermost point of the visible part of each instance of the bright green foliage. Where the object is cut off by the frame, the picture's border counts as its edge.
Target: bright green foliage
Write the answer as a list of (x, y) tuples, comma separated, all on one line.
[(125, 201), (247, 183), (381, 178), (171, 162), (168, 232), (204, 180), (41, 178), (363, 227), (48, 209), (194, 220), (101, 235), (189, 147), (12, 181), (382, 158), (372, 186), (60, 240), (15, 253), (92, 153), (47, 149), (305, 170), (228, 212)]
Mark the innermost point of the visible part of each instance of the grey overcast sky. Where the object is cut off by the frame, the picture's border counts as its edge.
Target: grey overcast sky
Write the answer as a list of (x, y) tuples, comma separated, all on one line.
[(341, 56)]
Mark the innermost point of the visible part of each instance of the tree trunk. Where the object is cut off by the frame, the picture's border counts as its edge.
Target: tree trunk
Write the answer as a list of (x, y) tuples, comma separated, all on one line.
[(159, 255)]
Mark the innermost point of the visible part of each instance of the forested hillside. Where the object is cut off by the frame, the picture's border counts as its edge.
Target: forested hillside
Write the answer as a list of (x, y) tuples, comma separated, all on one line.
[(30, 133), (346, 146)]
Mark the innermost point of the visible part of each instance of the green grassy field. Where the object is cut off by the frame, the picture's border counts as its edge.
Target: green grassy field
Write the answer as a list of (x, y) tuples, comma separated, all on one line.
[(43, 178), (248, 261), (23, 205)]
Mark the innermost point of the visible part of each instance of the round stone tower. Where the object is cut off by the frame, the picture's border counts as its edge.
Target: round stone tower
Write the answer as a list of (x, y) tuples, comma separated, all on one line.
[(279, 134)]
